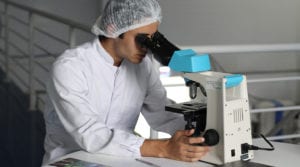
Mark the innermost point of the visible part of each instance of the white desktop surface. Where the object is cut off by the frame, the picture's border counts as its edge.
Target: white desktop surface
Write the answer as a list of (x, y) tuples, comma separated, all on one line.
[(284, 155)]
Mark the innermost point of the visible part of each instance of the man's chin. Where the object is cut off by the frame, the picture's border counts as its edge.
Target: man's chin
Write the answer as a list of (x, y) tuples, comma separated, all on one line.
[(138, 59)]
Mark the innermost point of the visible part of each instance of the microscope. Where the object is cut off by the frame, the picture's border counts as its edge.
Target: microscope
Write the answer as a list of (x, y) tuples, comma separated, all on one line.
[(219, 106)]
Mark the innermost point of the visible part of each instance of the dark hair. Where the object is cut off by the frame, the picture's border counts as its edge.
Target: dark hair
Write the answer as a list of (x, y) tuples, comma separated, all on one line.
[(121, 36), (103, 38)]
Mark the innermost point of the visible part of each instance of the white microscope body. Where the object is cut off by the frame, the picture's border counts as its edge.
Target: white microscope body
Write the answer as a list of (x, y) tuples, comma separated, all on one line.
[(228, 113)]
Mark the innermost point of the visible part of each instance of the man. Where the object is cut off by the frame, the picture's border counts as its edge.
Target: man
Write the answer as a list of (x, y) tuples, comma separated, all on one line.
[(98, 90)]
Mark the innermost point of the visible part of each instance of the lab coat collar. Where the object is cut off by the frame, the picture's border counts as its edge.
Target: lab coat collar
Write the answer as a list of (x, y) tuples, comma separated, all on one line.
[(102, 52)]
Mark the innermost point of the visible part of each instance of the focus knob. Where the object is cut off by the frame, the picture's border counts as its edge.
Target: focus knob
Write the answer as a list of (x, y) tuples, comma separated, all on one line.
[(211, 137)]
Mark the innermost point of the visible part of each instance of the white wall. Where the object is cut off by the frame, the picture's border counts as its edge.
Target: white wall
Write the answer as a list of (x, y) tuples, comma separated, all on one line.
[(210, 22)]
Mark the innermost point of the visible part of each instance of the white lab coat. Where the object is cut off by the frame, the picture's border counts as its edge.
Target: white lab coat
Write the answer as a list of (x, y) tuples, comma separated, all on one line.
[(94, 106)]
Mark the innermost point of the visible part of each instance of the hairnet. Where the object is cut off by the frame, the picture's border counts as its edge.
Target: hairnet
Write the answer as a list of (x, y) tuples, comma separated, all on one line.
[(120, 16)]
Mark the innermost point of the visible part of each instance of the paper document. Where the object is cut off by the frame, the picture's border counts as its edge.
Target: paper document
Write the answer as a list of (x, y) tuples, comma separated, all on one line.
[(72, 162)]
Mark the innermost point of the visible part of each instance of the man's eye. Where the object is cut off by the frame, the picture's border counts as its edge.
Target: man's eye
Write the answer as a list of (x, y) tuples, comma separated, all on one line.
[(142, 40), (153, 35)]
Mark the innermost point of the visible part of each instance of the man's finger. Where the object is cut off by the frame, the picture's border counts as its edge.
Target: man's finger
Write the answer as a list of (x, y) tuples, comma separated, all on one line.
[(185, 132), (197, 149), (196, 140), (195, 155)]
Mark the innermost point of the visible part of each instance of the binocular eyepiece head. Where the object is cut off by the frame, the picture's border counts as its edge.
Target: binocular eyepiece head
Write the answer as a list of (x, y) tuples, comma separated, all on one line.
[(161, 48)]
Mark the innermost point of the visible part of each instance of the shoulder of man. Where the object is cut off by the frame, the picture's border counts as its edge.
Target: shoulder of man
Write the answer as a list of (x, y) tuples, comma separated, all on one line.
[(77, 54)]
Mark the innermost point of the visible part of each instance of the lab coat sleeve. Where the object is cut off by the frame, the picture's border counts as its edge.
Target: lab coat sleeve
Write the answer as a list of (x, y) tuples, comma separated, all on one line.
[(154, 107), (79, 118)]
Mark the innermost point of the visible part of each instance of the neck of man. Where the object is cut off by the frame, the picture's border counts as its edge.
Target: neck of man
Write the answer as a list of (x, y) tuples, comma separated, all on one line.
[(108, 45)]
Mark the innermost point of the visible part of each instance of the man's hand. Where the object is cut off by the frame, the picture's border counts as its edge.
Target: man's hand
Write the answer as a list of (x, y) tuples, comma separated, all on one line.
[(180, 147)]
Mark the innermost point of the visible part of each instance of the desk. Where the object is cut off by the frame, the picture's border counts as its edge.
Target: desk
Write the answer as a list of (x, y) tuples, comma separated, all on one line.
[(284, 155)]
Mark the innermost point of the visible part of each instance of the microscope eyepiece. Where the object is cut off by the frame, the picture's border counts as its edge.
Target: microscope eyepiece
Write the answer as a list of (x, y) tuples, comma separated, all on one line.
[(161, 48), (144, 41)]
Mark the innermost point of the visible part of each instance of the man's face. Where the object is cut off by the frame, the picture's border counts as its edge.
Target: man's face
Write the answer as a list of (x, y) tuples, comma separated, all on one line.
[(127, 47)]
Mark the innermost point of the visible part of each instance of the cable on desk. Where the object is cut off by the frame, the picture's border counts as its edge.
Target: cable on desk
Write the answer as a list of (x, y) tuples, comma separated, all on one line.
[(246, 147)]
